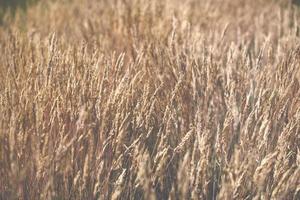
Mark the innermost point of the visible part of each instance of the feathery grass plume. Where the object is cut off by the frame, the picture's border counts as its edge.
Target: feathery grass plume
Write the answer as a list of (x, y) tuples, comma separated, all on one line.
[(150, 100)]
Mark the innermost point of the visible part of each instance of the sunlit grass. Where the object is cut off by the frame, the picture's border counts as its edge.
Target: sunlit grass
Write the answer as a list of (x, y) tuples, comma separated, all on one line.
[(161, 99)]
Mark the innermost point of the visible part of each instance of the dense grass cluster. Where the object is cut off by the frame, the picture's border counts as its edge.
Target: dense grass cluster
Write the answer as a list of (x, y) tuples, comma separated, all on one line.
[(161, 99)]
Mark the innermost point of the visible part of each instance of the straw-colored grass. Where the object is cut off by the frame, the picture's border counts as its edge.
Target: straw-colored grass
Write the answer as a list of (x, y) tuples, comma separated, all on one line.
[(161, 99)]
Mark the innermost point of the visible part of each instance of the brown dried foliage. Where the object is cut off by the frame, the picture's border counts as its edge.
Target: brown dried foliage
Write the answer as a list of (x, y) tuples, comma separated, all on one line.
[(161, 99)]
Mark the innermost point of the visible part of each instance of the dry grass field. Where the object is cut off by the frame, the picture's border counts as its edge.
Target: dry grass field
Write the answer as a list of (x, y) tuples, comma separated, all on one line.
[(160, 99)]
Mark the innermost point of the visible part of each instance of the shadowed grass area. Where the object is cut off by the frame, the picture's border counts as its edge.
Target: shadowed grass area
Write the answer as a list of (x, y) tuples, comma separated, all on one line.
[(12, 5), (297, 2)]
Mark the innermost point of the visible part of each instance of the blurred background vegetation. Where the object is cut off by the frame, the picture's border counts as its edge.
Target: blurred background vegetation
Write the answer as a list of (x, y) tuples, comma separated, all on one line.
[(12, 5), (297, 2)]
